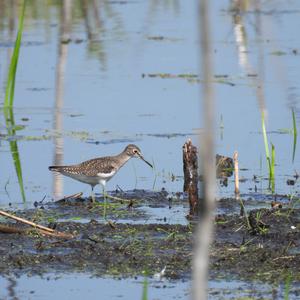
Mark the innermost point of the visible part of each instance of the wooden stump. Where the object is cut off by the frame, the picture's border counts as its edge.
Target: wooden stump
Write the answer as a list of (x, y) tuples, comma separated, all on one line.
[(190, 170), (224, 169)]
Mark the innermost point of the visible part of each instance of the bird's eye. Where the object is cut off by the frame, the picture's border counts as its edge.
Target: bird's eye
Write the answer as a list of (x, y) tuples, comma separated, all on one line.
[(135, 151)]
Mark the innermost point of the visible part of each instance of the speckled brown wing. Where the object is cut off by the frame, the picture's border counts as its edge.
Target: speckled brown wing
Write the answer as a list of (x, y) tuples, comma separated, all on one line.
[(89, 168)]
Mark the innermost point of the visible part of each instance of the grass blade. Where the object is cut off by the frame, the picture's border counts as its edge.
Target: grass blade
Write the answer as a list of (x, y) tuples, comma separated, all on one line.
[(270, 160), (294, 134), (145, 289), (287, 286), (10, 124), (10, 85)]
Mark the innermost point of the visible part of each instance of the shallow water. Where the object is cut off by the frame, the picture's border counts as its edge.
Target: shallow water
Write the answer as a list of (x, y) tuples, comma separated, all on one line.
[(101, 101), (85, 99), (69, 286)]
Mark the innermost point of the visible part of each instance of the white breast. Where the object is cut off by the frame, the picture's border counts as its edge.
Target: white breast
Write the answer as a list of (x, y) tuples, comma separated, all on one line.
[(104, 177)]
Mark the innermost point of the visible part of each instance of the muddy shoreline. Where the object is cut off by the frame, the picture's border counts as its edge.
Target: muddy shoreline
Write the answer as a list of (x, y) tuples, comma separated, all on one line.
[(268, 251)]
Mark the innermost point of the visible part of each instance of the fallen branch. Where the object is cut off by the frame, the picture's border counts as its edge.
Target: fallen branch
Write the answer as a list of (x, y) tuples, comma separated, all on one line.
[(6, 214), (42, 229)]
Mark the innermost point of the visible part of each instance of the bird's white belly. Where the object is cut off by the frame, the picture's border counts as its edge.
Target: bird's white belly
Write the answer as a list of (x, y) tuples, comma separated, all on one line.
[(85, 179), (104, 177), (101, 178)]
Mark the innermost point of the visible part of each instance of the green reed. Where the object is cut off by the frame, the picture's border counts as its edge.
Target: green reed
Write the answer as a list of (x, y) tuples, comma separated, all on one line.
[(10, 85), (287, 286), (9, 100), (145, 289)]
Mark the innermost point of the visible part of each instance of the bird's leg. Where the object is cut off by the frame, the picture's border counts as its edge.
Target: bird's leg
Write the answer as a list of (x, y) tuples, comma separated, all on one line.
[(105, 202), (104, 192), (92, 194)]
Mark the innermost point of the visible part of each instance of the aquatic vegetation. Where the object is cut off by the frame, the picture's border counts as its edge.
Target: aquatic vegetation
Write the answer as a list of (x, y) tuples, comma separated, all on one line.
[(191, 78), (278, 53)]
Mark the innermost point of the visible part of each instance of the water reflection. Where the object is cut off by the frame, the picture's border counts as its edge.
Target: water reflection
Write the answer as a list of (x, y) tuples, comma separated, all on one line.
[(11, 132), (115, 35), (65, 28), (95, 28), (95, 15), (11, 288), (238, 9)]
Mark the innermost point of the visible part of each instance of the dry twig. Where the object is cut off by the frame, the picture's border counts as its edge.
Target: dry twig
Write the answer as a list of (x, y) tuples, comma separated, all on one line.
[(42, 229)]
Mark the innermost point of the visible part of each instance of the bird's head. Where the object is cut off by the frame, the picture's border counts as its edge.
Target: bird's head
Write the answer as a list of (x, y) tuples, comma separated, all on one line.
[(134, 151)]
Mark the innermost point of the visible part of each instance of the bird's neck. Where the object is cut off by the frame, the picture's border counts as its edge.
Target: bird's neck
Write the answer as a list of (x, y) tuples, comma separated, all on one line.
[(123, 158)]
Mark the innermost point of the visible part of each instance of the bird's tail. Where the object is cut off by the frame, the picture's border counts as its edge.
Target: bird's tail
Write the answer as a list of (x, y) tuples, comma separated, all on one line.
[(56, 168)]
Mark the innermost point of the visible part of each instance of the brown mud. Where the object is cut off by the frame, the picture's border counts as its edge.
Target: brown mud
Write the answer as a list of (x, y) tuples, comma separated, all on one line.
[(268, 251)]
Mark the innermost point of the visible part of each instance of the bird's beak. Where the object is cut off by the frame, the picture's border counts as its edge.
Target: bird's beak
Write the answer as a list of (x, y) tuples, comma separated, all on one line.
[(142, 158)]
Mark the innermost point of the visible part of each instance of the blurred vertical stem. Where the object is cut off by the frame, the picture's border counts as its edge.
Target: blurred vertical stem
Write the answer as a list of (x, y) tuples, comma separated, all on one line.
[(9, 100), (294, 134), (204, 230)]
